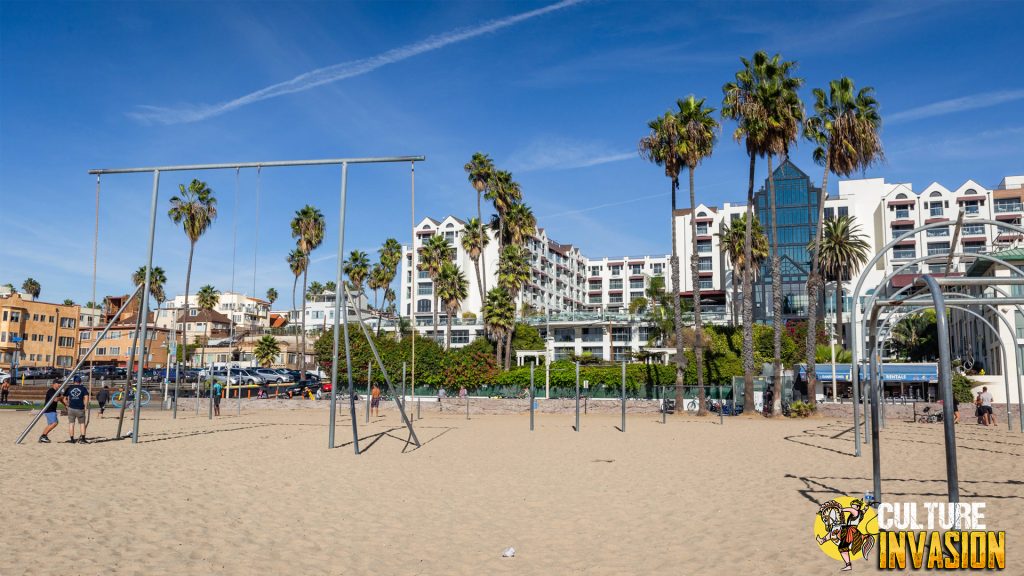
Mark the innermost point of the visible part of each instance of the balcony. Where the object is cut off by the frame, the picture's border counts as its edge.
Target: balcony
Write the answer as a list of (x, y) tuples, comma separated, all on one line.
[(1004, 207)]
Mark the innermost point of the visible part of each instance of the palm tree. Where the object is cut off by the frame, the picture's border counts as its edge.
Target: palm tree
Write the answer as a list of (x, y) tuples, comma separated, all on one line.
[(732, 239), (357, 267), (432, 256), (520, 223), (30, 286), (697, 136), (266, 350), (271, 295), (843, 251), (195, 209), (207, 298), (297, 262), (480, 171), (740, 103), (308, 230), (474, 241), (662, 146), (379, 279), (499, 317), (452, 289), (503, 191), (331, 286), (157, 279), (315, 289), (784, 113), (69, 302), (513, 272), (844, 129), (390, 258)]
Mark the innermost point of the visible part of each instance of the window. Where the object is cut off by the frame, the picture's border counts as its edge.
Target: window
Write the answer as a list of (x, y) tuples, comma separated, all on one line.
[(15, 316), (65, 341), (936, 268), (636, 283), (115, 350), (702, 228), (658, 268), (595, 270), (67, 322), (565, 334), (636, 269), (615, 299), (973, 230), (594, 299), (621, 353), (193, 312), (460, 336), (423, 305), (621, 333), (101, 351), (902, 213), (938, 248), (424, 288), (635, 295), (940, 231), (615, 284), (616, 270), (86, 335), (971, 207), (1008, 205), (974, 248), (704, 247), (935, 210), (706, 284), (595, 285), (904, 253), (704, 264), (829, 213)]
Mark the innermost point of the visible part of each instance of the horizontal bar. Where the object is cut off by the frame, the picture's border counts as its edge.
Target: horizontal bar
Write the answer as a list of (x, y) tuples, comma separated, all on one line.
[(975, 281), (961, 301), (272, 164)]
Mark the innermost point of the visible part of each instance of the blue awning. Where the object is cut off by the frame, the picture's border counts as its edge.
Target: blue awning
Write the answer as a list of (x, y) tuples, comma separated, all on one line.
[(888, 372)]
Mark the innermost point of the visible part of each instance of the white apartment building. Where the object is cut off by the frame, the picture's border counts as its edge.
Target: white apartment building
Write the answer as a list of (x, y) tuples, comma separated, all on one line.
[(243, 310), (320, 312)]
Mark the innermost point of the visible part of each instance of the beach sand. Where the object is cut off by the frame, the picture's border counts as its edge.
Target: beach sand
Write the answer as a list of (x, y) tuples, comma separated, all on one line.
[(262, 494)]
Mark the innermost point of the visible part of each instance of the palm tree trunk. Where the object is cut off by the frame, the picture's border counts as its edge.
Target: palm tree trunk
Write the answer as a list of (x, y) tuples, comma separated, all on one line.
[(500, 339), (483, 266), (698, 340), (814, 288), (748, 298), (677, 313), (839, 314), (434, 336), (448, 333), (735, 295), (508, 347), (776, 299), (302, 351), (480, 283), (184, 323)]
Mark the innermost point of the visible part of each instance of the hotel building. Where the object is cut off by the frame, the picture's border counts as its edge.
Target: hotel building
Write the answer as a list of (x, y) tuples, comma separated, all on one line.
[(37, 333)]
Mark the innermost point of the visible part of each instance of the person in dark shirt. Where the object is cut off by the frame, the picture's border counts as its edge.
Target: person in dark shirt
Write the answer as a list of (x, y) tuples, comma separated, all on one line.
[(103, 396), (76, 397), (51, 411)]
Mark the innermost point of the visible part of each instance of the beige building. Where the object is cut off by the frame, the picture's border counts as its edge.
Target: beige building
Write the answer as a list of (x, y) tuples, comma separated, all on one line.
[(116, 347), (35, 333)]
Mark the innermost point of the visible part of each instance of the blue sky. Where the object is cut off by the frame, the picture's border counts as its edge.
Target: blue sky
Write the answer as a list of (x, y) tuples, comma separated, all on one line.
[(557, 93)]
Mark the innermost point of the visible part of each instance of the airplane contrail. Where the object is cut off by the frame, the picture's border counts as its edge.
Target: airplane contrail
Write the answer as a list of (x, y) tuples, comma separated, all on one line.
[(328, 74)]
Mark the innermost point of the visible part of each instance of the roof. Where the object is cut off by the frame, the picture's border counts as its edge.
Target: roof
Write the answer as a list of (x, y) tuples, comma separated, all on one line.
[(205, 316), (278, 320), (980, 267)]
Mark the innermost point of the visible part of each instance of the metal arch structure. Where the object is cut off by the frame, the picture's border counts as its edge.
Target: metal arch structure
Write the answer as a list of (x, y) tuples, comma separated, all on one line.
[(855, 298), (344, 163)]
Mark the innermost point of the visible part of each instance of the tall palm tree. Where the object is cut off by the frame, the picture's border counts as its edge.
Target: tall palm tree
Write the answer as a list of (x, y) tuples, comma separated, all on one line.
[(520, 223), (315, 289), (378, 279), (195, 208), (157, 280), (271, 295), (331, 286), (308, 230), (843, 251), (697, 135), (499, 317), (740, 103), (297, 262), (732, 239), (69, 302), (266, 350), (662, 146), (31, 286), (844, 129), (452, 289), (207, 298), (432, 256), (480, 171), (357, 267), (513, 272), (390, 259), (503, 191), (784, 113), (474, 242)]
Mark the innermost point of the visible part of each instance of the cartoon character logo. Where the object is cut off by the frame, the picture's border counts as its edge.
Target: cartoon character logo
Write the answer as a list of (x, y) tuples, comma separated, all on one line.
[(845, 529)]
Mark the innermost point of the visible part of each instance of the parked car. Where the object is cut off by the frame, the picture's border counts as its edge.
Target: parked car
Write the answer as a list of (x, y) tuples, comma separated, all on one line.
[(271, 376), (249, 376), (4, 376), (297, 376)]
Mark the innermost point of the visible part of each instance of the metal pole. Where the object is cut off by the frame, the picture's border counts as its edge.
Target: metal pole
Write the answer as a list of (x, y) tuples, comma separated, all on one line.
[(344, 311), (532, 396), (1020, 397), (664, 405), (467, 404), (419, 416), (403, 381), (547, 376), (832, 345), (623, 427), (721, 407), (271, 164), (369, 378), (577, 396), (177, 366), (415, 281), (130, 364), (945, 389), (81, 361), (145, 303), (876, 457)]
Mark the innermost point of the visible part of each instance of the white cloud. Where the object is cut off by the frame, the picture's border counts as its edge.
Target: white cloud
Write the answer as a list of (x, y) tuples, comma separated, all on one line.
[(955, 105), (196, 112), (555, 153)]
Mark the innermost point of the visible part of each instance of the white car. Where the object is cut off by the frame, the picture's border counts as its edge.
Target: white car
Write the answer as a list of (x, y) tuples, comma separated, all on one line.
[(4, 376), (272, 376)]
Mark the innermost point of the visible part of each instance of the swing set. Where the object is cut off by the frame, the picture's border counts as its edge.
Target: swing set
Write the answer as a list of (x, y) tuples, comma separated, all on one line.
[(341, 328)]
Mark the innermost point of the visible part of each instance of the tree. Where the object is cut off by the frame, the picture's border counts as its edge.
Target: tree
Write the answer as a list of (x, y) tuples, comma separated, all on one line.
[(315, 289), (271, 295), (266, 350), (194, 209), (480, 172), (499, 317), (308, 230), (740, 103), (474, 242), (452, 288), (662, 146), (513, 272), (697, 135), (331, 286), (731, 239), (297, 263), (207, 298), (916, 336), (503, 191), (843, 250), (379, 278), (638, 305), (844, 129), (357, 267), (520, 223), (390, 258), (30, 286), (526, 337), (784, 113), (432, 255), (157, 279), (69, 302)]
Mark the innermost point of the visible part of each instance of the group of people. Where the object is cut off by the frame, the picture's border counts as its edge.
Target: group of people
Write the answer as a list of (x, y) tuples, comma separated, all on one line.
[(76, 398), (983, 408)]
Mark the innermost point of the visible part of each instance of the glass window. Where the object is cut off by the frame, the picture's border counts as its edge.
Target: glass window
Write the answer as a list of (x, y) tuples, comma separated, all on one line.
[(636, 269), (704, 247), (423, 305), (936, 209), (621, 333), (702, 228), (940, 231), (615, 270), (704, 264), (595, 270), (938, 248), (615, 284), (902, 213), (595, 285), (706, 284), (974, 248), (1008, 205), (615, 299), (904, 253), (636, 283), (974, 230), (829, 213), (844, 211), (594, 299), (657, 268), (424, 288)]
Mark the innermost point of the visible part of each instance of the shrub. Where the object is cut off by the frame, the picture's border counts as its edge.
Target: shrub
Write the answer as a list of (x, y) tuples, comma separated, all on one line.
[(800, 409)]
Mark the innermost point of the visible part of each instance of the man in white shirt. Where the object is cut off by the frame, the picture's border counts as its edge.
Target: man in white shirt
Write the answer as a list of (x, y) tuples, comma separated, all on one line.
[(986, 406)]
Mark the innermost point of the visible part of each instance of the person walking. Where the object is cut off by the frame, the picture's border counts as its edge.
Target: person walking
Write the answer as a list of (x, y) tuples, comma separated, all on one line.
[(216, 398), (103, 397), (5, 390), (51, 411), (441, 395), (375, 401), (463, 394), (986, 406), (76, 397)]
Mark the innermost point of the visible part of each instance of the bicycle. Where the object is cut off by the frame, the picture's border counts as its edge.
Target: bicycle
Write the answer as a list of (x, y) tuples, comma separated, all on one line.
[(118, 397)]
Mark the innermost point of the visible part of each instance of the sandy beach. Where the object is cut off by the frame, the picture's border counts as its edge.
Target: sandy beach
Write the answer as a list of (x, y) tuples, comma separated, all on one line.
[(260, 493)]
